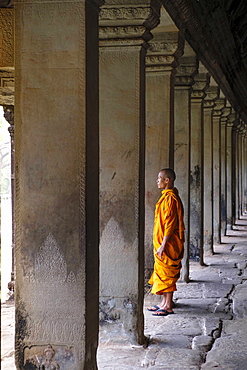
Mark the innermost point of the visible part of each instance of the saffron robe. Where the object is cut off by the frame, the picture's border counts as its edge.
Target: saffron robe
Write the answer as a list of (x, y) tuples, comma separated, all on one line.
[(168, 220)]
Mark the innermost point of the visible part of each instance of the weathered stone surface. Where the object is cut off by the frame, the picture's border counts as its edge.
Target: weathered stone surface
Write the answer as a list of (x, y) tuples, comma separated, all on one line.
[(7, 37), (181, 341), (202, 343), (178, 359), (161, 60), (201, 307), (212, 326), (228, 352), (196, 169), (57, 180), (124, 32), (182, 118), (201, 274), (201, 290), (237, 327), (240, 300), (175, 324)]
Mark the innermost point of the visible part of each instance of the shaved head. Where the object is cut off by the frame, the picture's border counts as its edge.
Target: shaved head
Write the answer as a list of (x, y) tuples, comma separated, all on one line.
[(168, 172)]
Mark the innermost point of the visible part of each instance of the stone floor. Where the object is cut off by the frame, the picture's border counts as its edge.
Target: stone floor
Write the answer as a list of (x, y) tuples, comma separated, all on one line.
[(208, 330)]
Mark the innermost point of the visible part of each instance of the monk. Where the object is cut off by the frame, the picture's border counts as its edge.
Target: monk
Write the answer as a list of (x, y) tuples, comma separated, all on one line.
[(168, 242)]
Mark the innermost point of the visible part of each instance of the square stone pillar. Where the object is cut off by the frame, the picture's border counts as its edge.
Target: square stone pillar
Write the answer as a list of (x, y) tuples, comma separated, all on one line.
[(182, 122), (229, 170), (208, 105), (245, 171), (124, 32), (234, 171), (217, 112), (223, 179), (56, 143), (237, 166), (196, 167), (240, 171), (161, 61)]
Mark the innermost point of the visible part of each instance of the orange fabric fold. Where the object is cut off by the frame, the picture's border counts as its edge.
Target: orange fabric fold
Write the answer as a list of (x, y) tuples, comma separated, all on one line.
[(168, 220)]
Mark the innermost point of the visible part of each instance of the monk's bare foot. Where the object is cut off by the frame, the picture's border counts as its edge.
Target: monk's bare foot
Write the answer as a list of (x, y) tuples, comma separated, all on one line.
[(168, 309)]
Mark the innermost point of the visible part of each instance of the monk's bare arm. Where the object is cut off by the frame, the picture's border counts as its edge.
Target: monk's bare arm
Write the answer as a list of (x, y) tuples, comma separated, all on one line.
[(161, 249)]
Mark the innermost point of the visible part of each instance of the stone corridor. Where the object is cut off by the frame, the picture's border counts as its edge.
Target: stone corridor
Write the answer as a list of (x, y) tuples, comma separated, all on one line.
[(99, 95), (209, 329)]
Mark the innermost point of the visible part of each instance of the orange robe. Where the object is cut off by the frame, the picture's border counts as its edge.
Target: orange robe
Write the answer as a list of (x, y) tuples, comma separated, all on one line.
[(168, 220)]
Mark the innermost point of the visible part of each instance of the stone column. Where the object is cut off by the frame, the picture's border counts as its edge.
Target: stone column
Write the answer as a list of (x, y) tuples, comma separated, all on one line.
[(241, 175), (245, 170), (196, 169), (161, 61), (182, 112), (237, 166), (57, 166), (9, 116), (124, 33), (229, 170), (217, 112), (208, 105), (234, 171), (223, 124)]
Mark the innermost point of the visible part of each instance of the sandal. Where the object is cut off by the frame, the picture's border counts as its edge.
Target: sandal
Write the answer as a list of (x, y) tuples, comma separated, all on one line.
[(154, 308)]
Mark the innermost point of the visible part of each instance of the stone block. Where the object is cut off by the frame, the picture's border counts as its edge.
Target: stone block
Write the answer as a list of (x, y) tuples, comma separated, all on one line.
[(203, 290), (164, 340), (211, 326), (238, 327), (200, 308), (203, 343), (177, 325), (228, 352), (240, 300), (178, 359)]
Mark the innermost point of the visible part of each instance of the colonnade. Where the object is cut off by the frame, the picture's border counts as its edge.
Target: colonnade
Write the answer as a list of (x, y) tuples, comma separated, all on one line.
[(100, 108)]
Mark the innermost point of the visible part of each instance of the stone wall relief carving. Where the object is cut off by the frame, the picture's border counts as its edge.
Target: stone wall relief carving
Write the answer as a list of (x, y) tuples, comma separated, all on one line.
[(208, 104), (122, 32), (53, 299), (127, 20), (50, 10), (124, 13), (159, 59), (164, 47), (48, 363), (49, 358), (219, 105), (231, 119), (7, 37), (184, 80)]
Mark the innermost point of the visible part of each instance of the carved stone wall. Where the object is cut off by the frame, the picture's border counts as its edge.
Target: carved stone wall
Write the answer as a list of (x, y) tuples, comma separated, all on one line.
[(124, 33), (6, 37), (182, 101), (7, 86), (212, 94), (57, 183)]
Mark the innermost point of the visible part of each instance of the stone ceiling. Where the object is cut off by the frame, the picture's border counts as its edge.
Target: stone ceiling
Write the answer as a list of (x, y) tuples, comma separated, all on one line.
[(217, 31), (225, 23)]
